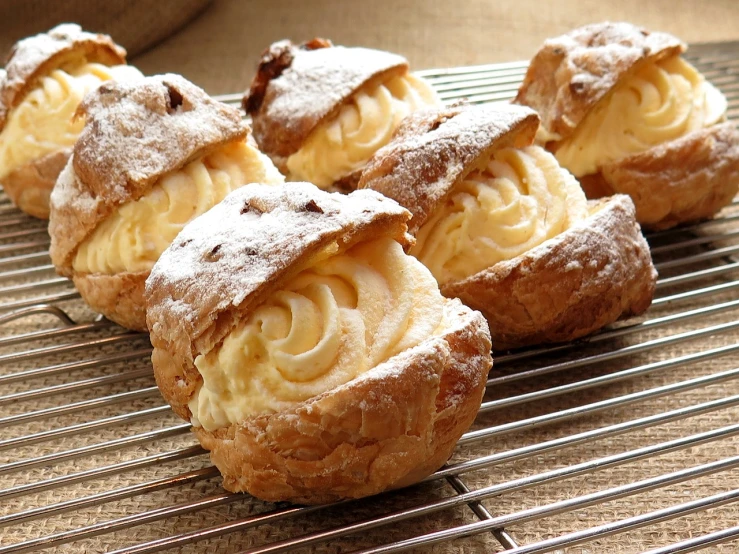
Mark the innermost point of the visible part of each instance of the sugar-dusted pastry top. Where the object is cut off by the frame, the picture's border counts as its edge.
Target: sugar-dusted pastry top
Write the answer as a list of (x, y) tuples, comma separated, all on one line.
[(571, 73), (436, 148), (134, 134), (662, 101), (227, 262), (332, 322), (32, 58), (44, 121), (521, 198), (134, 236), (299, 86), (343, 144)]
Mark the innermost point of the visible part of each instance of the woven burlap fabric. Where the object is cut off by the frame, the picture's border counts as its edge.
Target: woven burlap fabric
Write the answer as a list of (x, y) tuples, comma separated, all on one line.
[(220, 49), (510, 502), (135, 24)]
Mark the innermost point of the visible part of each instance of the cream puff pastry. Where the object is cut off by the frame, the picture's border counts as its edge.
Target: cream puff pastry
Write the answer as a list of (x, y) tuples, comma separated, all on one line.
[(320, 111), (625, 113), (507, 230), (316, 360), (47, 77), (153, 154)]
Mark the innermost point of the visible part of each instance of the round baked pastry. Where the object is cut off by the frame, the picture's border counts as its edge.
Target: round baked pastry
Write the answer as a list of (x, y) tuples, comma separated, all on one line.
[(316, 360), (507, 230), (153, 154), (625, 113), (47, 77), (320, 111)]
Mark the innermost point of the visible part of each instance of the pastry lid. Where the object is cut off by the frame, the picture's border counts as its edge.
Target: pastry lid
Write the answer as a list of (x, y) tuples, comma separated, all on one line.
[(298, 86), (134, 133), (229, 260), (434, 149), (571, 73), (34, 57)]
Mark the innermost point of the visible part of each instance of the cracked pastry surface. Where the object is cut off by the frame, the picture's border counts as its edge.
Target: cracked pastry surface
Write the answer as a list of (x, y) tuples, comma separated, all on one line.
[(331, 323), (506, 229), (626, 113), (44, 122), (321, 111), (47, 77), (133, 238), (343, 144), (314, 357), (663, 101), (122, 199), (521, 198)]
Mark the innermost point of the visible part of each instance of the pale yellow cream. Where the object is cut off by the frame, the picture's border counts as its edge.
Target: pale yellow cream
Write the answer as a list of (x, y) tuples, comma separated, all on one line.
[(344, 144), (522, 198), (331, 323), (134, 237), (42, 123), (660, 103)]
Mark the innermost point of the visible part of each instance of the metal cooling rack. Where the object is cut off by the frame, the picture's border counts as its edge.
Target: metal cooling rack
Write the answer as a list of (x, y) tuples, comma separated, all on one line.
[(623, 442)]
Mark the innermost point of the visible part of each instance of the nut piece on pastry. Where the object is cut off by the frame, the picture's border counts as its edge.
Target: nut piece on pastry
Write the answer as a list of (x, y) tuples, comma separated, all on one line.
[(47, 77), (625, 113), (507, 230), (320, 111), (153, 154), (316, 360)]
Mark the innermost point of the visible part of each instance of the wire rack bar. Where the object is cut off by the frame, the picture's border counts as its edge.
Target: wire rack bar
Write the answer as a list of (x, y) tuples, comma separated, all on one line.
[(66, 375)]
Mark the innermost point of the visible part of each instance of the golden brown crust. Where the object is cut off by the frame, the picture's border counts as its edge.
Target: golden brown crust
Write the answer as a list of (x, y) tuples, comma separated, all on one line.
[(36, 56), (386, 429), (569, 286), (572, 73), (134, 134), (434, 149), (298, 87), (207, 281), (118, 297), (687, 179), (30, 185)]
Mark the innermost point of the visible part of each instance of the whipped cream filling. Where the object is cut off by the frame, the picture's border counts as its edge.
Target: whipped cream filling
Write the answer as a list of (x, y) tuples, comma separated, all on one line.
[(43, 122), (136, 234), (332, 322), (345, 143), (661, 102), (521, 199)]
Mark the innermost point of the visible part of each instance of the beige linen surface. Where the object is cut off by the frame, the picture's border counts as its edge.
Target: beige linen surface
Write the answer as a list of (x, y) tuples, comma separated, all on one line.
[(219, 51), (135, 24)]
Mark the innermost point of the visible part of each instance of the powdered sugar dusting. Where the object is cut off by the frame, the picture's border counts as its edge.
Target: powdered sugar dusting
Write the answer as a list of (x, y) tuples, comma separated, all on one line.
[(542, 296), (572, 72), (434, 147), (314, 85), (135, 132), (257, 234), (35, 56)]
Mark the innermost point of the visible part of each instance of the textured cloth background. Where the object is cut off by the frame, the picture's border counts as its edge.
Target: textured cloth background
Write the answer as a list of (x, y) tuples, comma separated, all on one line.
[(135, 24), (219, 50)]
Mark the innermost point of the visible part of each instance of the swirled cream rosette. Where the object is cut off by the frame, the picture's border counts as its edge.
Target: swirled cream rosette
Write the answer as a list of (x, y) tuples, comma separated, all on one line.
[(624, 112), (321, 111), (47, 77), (153, 155), (503, 227), (315, 359)]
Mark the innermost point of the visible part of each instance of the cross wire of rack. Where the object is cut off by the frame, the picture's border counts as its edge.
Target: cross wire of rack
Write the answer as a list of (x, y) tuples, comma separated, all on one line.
[(623, 442)]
